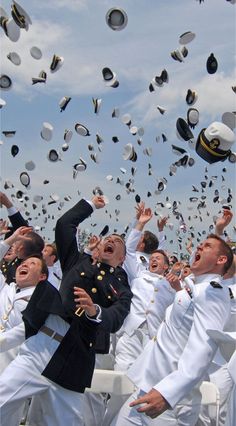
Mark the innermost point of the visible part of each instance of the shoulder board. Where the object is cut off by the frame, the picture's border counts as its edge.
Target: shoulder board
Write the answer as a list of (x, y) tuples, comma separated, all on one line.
[(215, 284)]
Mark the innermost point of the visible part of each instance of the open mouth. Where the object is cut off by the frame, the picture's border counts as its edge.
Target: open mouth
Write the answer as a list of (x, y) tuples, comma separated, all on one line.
[(197, 257), (23, 272), (109, 248)]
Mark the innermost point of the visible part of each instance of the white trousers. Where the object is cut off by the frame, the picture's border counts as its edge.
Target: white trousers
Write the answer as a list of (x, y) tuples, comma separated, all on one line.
[(181, 415), (22, 379)]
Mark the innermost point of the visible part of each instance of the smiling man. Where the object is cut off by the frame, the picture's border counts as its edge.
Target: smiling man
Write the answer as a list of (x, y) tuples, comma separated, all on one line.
[(170, 369), (14, 298), (63, 334), (152, 294)]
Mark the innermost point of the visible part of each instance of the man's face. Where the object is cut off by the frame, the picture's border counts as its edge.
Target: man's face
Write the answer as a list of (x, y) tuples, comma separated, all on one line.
[(207, 259), (48, 256), (29, 272), (111, 250), (157, 264)]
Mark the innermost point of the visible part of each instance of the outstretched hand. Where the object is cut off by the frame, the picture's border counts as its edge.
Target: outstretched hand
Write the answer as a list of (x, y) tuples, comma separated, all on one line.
[(98, 201), (223, 221)]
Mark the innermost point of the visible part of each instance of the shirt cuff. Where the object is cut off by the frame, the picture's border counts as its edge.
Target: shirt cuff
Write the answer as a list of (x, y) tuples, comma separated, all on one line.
[(98, 317), (12, 210), (91, 204)]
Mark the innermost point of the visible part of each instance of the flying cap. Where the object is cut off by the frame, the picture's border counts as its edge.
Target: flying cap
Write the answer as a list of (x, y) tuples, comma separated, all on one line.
[(14, 58), (5, 82), (211, 64), (2, 103), (14, 150), (81, 130), (25, 179), (56, 63), (191, 97), (30, 165), (182, 130), (35, 52), (192, 117), (214, 142), (46, 132), (187, 37), (64, 102), (229, 119), (68, 135), (97, 104), (12, 30), (116, 19), (20, 16), (110, 77), (129, 153)]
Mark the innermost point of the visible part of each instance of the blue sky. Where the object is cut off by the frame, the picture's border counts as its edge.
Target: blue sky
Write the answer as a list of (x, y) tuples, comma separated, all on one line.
[(77, 31)]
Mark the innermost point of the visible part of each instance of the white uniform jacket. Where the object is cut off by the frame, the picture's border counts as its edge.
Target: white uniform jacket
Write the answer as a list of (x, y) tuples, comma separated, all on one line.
[(12, 304), (136, 261), (152, 294), (182, 352)]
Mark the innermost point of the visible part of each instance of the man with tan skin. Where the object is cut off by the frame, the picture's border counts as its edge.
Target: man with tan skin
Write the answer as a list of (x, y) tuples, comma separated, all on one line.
[(169, 370), (57, 359), (14, 298)]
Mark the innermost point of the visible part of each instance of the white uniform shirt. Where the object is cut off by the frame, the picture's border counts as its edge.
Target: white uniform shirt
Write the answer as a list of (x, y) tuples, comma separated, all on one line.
[(182, 352), (55, 274), (152, 294), (12, 304)]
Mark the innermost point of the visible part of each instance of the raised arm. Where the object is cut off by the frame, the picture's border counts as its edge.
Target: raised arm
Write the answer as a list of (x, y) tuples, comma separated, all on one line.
[(66, 228)]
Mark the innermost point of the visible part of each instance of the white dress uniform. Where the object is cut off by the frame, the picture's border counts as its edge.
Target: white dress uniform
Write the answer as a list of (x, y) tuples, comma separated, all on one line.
[(55, 274), (219, 374), (12, 303), (142, 259), (152, 294), (176, 361)]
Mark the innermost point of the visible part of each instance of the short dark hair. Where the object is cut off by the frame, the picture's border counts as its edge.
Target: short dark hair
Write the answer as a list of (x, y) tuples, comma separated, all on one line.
[(54, 250), (33, 243), (44, 268), (150, 241), (166, 259), (225, 250)]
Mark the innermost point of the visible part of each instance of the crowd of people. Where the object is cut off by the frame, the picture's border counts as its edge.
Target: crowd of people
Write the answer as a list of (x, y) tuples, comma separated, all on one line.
[(119, 303)]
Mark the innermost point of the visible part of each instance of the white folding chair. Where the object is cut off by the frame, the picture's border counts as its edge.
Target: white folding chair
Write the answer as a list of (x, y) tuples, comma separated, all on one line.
[(211, 396), (112, 382)]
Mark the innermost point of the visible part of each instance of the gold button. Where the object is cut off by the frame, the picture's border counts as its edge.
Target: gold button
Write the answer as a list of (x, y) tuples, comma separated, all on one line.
[(2, 328), (152, 301), (111, 270), (109, 297), (5, 317), (99, 277), (82, 274), (98, 265), (90, 344), (156, 289), (154, 339), (94, 290), (102, 272)]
